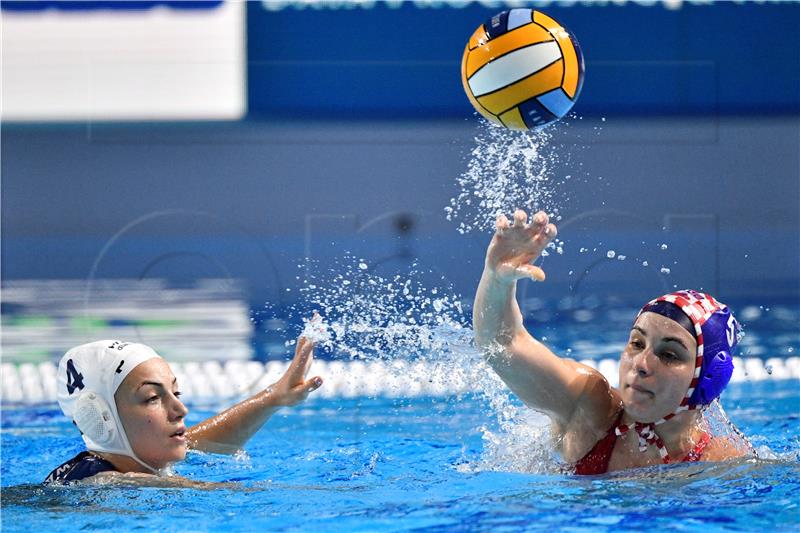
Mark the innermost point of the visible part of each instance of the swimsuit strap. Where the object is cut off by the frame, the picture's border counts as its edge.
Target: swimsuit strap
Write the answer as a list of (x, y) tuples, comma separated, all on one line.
[(596, 461), (696, 453)]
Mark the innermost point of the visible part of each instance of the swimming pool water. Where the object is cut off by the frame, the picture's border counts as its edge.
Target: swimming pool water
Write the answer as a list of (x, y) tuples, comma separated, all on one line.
[(449, 463), (372, 464)]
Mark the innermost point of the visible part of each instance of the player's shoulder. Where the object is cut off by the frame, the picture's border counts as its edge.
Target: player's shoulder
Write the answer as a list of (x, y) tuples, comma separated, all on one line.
[(724, 447)]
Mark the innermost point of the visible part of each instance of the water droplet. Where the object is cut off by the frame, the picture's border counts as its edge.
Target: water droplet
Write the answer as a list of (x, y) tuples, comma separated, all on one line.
[(505, 168)]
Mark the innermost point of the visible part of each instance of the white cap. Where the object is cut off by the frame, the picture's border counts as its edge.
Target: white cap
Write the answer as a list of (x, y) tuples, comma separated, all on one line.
[(88, 377)]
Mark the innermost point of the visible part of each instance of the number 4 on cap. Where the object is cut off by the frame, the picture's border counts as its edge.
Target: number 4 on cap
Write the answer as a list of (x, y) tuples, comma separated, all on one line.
[(74, 378)]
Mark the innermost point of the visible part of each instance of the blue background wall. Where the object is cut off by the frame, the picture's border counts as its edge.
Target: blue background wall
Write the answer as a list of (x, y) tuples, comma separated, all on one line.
[(358, 128), (404, 61)]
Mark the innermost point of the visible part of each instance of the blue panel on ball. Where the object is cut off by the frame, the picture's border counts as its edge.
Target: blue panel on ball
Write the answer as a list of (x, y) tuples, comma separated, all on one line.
[(581, 65), (535, 114), (519, 17), (556, 101), (497, 25)]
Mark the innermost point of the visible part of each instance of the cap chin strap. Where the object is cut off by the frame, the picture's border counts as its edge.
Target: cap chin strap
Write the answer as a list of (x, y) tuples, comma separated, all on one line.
[(132, 456), (147, 466), (647, 432)]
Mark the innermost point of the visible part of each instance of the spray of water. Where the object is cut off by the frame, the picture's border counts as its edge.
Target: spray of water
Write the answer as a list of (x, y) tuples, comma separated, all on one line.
[(718, 424), (367, 316), (506, 169), (371, 316)]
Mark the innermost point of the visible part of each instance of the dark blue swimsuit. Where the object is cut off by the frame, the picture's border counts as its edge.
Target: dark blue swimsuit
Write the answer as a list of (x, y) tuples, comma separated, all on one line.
[(83, 465)]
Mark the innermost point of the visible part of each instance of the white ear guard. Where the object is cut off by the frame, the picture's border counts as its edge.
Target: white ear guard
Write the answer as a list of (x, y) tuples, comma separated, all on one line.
[(94, 419)]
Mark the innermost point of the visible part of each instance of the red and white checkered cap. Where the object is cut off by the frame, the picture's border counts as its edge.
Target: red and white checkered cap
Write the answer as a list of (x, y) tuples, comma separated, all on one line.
[(699, 307)]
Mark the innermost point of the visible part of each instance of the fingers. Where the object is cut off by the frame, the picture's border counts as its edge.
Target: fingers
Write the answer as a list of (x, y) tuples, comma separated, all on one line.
[(304, 349), (313, 384), (501, 224), (303, 356), (531, 271), (308, 386), (540, 223), (539, 228), (520, 218), (300, 392)]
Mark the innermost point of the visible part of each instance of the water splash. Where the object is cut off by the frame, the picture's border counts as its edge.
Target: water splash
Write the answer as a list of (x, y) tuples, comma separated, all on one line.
[(519, 440), (369, 316), (316, 330), (720, 426), (374, 316), (523, 444), (507, 169)]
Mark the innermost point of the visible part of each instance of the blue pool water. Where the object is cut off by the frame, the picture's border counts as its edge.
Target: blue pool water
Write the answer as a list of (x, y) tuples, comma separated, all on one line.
[(390, 465), (472, 462)]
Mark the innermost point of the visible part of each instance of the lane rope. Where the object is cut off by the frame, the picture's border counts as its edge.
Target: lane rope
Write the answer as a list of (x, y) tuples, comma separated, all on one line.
[(29, 383)]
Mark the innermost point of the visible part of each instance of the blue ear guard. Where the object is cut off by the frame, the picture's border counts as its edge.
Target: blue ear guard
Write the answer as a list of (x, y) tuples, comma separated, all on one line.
[(720, 337)]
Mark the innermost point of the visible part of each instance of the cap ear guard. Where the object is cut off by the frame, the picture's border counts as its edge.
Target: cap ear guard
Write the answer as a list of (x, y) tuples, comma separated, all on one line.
[(721, 333), (717, 372), (93, 417)]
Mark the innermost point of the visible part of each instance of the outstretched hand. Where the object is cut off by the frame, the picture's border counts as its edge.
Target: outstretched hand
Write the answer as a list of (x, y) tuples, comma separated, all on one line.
[(515, 246), (293, 387), (228, 431)]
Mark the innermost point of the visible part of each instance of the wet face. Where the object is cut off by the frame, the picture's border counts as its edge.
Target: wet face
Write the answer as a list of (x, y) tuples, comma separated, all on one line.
[(656, 367), (152, 414)]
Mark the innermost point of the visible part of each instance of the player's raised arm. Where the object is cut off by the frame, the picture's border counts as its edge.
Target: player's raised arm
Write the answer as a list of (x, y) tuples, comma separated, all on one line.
[(544, 381)]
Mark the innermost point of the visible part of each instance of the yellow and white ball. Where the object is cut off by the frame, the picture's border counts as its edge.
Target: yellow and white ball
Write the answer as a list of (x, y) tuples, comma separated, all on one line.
[(522, 69)]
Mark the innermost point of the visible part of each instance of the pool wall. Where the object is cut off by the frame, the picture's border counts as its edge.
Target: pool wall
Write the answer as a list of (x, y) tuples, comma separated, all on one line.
[(252, 200), (357, 129)]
